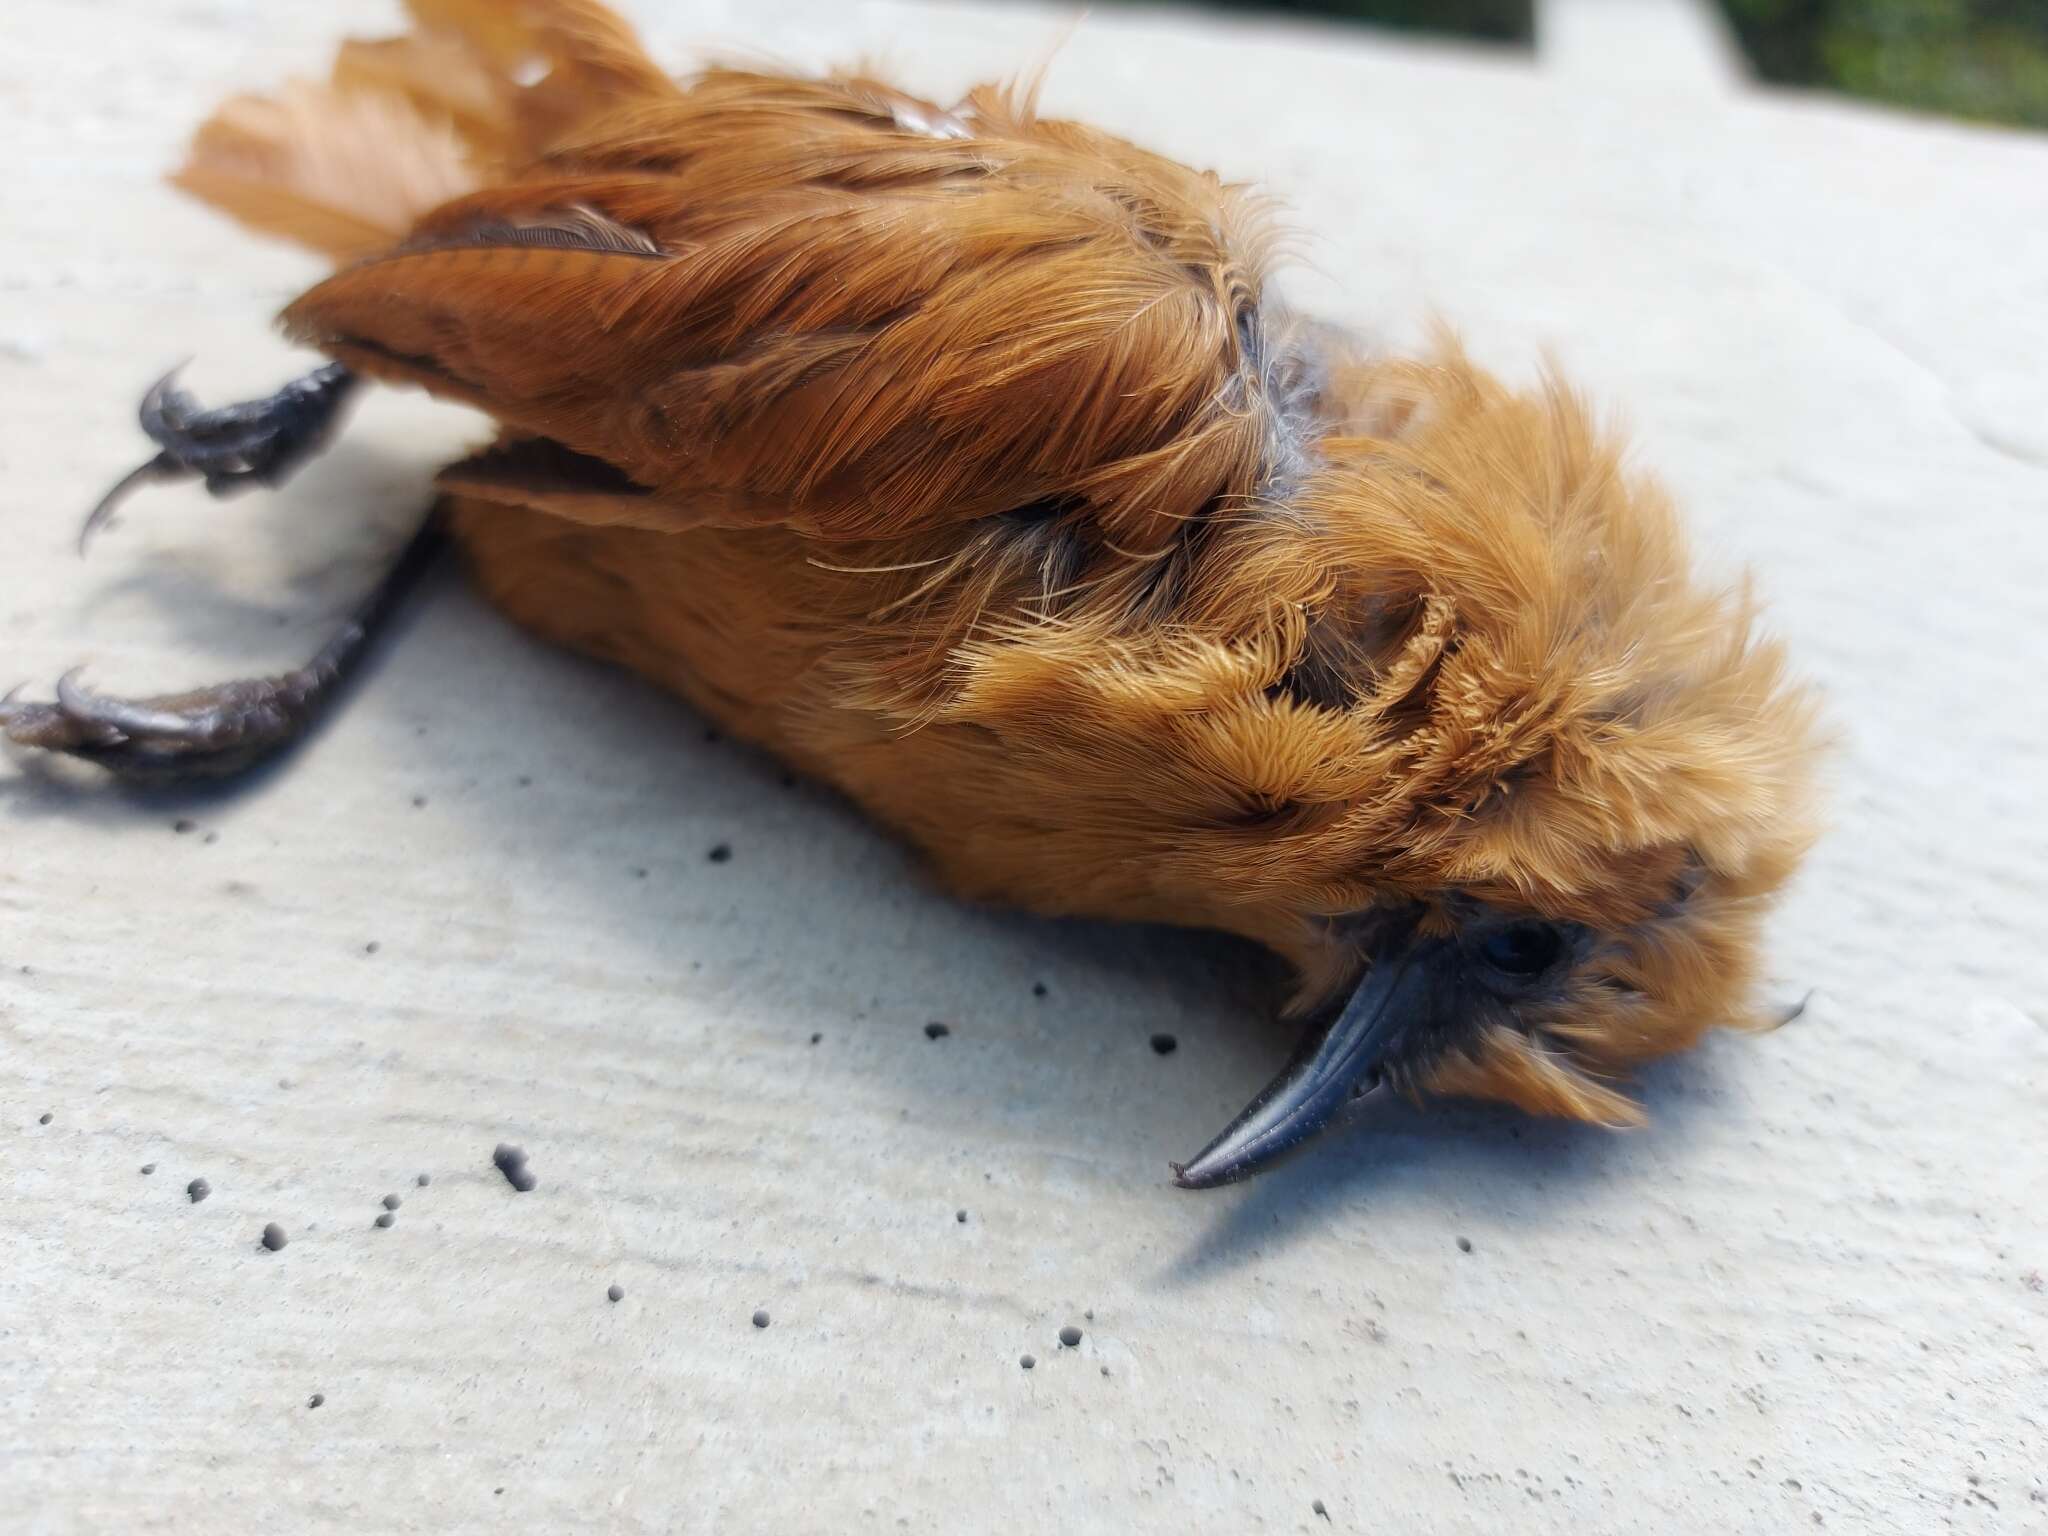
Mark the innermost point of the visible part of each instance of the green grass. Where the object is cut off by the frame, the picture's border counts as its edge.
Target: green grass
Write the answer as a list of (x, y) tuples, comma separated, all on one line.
[(1985, 59)]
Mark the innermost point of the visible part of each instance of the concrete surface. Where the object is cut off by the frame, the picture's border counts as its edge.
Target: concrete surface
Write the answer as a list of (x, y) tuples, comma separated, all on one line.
[(1811, 1296)]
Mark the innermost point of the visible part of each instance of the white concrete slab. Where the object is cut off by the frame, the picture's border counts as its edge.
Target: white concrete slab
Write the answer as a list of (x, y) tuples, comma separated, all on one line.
[(1810, 1297)]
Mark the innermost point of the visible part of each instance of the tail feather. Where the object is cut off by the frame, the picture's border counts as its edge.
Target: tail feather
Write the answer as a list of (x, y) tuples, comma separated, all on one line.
[(403, 124)]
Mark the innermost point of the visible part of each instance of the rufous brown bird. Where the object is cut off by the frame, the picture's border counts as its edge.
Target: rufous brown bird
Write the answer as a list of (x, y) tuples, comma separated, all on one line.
[(969, 461)]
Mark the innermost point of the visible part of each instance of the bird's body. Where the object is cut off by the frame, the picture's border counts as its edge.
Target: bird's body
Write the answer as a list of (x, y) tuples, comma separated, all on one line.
[(966, 460)]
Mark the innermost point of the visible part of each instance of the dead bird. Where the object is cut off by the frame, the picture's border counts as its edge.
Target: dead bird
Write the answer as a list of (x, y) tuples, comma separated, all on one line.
[(968, 460)]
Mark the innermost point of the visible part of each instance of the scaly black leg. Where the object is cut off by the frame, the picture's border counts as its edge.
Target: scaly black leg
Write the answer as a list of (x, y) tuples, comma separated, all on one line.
[(258, 442), (213, 732)]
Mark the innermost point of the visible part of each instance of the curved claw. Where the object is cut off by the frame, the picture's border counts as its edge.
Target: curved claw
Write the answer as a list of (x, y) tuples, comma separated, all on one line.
[(162, 410), (231, 447), (129, 718), (162, 467)]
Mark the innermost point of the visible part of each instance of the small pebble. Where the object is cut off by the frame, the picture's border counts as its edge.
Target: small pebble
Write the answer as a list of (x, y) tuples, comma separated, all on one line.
[(43, 1118), (198, 1190), (1317, 1506), (511, 1162), (817, 1036), (1028, 1361), (1070, 1336), (1464, 1245), (149, 1167), (385, 1218), (273, 1237), (615, 1293), (937, 1031), (424, 1180), (183, 825), (1038, 989), (760, 1319), (961, 1217), (372, 947), (1164, 1045), (316, 1399), (392, 1202), (719, 854)]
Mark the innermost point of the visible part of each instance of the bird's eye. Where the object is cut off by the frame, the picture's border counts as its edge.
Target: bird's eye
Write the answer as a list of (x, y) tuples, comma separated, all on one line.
[(1522, 950)]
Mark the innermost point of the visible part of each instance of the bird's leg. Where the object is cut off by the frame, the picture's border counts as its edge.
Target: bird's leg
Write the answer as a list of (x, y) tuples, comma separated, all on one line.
[(257, 442), (213, 732)]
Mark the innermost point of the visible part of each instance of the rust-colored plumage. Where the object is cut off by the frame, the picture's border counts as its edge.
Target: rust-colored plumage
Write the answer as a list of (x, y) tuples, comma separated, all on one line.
[(967, 460)]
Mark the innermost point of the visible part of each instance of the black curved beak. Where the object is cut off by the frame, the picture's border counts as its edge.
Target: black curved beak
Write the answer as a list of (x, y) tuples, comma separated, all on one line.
[(1384, 1017)]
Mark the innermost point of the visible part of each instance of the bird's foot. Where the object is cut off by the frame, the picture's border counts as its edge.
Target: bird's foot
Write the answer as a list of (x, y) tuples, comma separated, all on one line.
[(221, 730), (203, 733), (233, 447)]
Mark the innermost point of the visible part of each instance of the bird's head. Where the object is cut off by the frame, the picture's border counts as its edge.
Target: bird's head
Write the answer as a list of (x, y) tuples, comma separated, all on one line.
[(1509, 784)]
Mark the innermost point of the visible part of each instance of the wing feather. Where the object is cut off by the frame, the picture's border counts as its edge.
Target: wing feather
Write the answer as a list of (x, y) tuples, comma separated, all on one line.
[(769, 298)]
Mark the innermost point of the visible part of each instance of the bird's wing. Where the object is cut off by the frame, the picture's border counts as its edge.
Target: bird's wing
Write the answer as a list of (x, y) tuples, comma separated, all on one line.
[(828, 305)]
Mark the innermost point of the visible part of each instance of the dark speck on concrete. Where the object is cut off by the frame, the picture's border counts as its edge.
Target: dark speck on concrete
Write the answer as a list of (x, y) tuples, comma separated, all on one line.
[(372, 947), (816, 1036), (419, 802), (511, 1162), (961, 1217), (316, 1399), (761, 1319), (1038, 989), (273, 1237), (1070, 1336), (385, 1218), (937, 1031), (44, 1118), (639, 872), (392, 1202), (615, 1293), (198, 1190), (183, 825), (1164, 1044), (525, 781), (211, 837), (1317, 1506), (720, 854), (1464, 1245), (424, 1180), (149, 1167), (1028, 1361)]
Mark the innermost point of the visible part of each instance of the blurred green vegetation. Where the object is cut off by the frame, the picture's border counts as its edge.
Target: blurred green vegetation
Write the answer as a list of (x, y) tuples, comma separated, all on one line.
[(1505, 21), (1972, 58), (1983, 59)]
